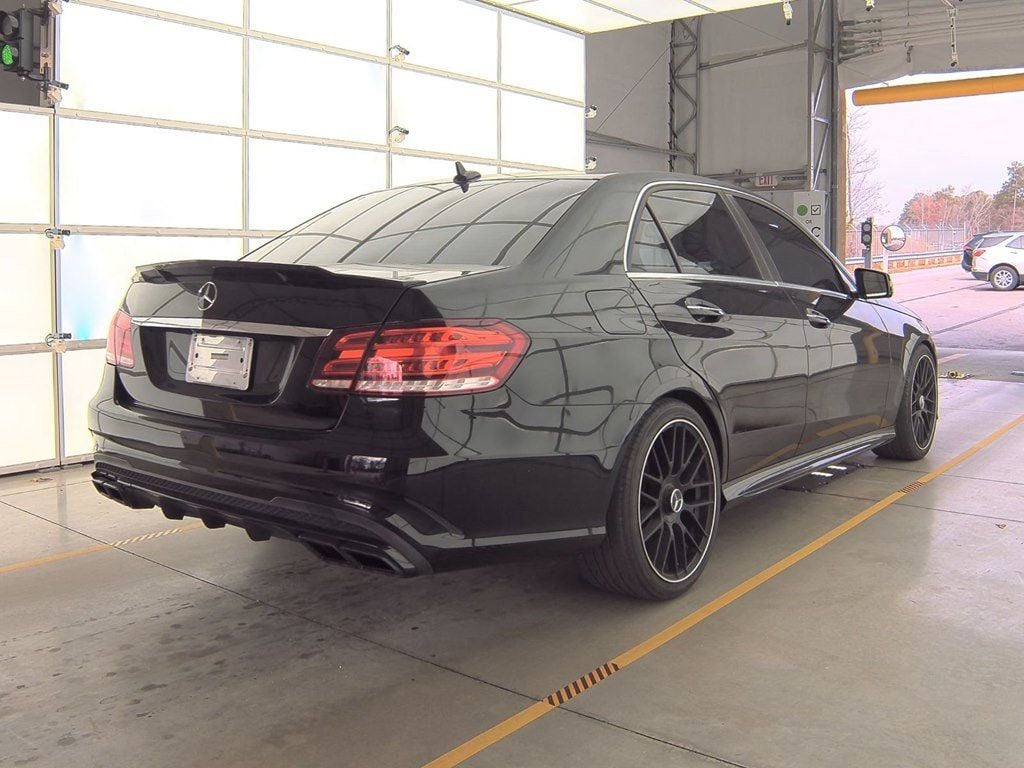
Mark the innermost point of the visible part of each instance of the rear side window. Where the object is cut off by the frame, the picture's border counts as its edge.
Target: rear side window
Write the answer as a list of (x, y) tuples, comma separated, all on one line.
[(796, 256), (988, 242), (495, 222), (690, 232), (1017, 243)]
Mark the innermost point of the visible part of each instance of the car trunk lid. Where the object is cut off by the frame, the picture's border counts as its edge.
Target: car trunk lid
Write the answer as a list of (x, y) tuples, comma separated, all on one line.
[(260, 325)]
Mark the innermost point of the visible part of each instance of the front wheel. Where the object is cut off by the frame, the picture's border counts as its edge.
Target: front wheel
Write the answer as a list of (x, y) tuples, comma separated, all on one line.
[(665, 508), (919, 410), (1004, 278)]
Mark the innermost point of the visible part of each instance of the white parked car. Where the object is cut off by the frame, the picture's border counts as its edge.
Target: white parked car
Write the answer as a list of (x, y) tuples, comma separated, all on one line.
[(999, 258)]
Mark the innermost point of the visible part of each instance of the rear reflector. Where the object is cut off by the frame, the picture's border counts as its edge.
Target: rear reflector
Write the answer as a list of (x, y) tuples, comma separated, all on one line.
[(434, 358), (119, 341)]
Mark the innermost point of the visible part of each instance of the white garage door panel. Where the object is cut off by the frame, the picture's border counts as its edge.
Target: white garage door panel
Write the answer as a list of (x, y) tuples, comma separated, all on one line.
[(25, 293), (355, 25), (298, 91), (28, 421), (559, 70), (290, 183), (29, 164), (96, 271), (541, 132), (161, 82), (224, 11), (452, 35), (81, 374), (445, 116), (148, 177)]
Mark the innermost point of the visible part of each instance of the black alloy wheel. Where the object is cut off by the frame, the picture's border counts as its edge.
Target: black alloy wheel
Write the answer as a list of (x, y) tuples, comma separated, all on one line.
[(676, 501), (924, 402), (918, 415), (665, 508)]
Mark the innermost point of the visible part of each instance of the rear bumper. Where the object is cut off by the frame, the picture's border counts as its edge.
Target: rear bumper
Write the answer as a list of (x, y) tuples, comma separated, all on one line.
[(354, 533), (979, 275), (383, 534)]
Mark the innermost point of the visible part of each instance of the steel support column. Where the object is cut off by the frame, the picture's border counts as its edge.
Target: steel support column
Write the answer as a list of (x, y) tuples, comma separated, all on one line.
[(822, 104), (683, 96)]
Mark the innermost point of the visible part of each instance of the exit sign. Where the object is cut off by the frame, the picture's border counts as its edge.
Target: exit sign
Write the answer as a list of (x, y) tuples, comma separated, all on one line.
[(766, 180)]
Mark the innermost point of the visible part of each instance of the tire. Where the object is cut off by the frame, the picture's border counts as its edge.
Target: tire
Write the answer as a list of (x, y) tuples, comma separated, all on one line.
[(916, 420), (1004, 278), (680, 510)]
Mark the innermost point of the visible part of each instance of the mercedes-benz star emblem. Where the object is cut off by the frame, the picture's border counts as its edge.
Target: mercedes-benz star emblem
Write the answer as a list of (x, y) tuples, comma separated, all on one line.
[(676, 501), (207, 296)]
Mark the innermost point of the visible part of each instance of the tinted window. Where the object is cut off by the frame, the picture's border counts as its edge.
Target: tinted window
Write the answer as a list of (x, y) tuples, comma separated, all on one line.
[(691, 232), (650, 252), (796, 256), (1018, 243), (494, 222), (988, 242)]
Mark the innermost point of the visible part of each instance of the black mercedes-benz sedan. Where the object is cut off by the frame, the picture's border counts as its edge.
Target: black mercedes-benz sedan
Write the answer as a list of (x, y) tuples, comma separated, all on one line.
[(445, 374)]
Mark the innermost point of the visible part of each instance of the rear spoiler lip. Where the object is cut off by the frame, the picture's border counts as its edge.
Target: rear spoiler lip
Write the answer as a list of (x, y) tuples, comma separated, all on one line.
[(348, 276), (284, 274)]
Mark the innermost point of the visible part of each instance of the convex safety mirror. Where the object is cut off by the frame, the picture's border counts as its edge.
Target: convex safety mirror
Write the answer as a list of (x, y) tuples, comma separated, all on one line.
[(872, 284), (893, 238)]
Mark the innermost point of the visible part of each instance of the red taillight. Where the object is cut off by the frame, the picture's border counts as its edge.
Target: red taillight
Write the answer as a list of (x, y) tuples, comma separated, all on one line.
[(425, 359), (976, 253), (119, 341)]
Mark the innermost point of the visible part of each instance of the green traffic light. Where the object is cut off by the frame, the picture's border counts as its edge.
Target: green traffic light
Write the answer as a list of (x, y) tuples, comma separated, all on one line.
[(8, 55)]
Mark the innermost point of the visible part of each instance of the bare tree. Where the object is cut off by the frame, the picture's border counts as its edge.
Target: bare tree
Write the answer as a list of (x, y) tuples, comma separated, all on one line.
[(864, 191)]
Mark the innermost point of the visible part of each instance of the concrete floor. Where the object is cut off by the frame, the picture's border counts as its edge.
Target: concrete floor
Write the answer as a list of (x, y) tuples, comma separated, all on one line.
[(898, 644)]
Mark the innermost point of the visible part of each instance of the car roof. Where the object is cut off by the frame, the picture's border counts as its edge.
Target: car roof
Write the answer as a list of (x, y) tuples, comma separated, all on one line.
[(626, 179)]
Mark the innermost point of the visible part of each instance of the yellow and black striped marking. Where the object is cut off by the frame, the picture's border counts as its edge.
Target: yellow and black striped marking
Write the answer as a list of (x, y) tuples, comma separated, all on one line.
[(154, 535), (912, 487), (581, 684)]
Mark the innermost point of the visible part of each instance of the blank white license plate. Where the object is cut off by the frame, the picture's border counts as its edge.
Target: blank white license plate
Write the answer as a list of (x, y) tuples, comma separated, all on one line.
[(220, 361)]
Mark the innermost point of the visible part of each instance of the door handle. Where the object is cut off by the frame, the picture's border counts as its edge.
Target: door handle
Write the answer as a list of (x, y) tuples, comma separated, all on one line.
[(704, 311), (817, 319)]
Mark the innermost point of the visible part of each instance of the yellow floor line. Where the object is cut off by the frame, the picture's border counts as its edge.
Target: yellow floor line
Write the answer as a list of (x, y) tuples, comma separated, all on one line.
[(95, 548), (537, 710)]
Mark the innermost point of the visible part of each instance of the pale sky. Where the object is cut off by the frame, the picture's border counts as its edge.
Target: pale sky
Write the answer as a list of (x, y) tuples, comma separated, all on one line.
[(926, 145)]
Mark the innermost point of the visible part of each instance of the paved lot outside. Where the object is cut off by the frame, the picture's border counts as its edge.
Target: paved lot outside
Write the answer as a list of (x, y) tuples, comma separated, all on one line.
[(979, 331)]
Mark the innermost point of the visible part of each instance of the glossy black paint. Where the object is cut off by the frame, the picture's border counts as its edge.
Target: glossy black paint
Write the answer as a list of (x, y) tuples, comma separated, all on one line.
[(415, 484)]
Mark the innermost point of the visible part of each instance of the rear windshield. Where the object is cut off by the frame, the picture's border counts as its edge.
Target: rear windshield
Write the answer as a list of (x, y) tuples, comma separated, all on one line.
[(495, 222), (988, 242)]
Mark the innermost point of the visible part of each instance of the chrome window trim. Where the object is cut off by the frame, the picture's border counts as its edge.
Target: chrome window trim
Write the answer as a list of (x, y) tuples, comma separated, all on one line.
[(231, 326), (720, 189), (704, 277), (820, 291)]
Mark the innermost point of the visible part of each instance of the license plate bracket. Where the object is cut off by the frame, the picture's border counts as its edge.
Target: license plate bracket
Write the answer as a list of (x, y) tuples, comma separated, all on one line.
[(219, 361)]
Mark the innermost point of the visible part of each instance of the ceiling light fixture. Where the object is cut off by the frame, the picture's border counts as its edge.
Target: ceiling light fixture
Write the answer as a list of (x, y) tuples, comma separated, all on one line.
[(398, 53), (787, 12), (397, 134)]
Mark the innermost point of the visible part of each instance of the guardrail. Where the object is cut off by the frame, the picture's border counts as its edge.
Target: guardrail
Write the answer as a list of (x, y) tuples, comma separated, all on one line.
[(902, 262)]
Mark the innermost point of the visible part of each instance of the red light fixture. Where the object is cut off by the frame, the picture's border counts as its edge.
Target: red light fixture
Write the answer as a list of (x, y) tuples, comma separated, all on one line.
[(119, 341), (432, 358)]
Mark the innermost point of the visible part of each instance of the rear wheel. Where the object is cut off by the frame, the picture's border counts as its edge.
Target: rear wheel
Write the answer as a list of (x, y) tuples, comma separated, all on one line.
[(919, 411), (1004, 278), (665, 509)]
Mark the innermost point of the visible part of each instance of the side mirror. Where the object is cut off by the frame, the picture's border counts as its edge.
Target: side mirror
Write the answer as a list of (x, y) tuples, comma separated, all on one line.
[(872, 284)]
